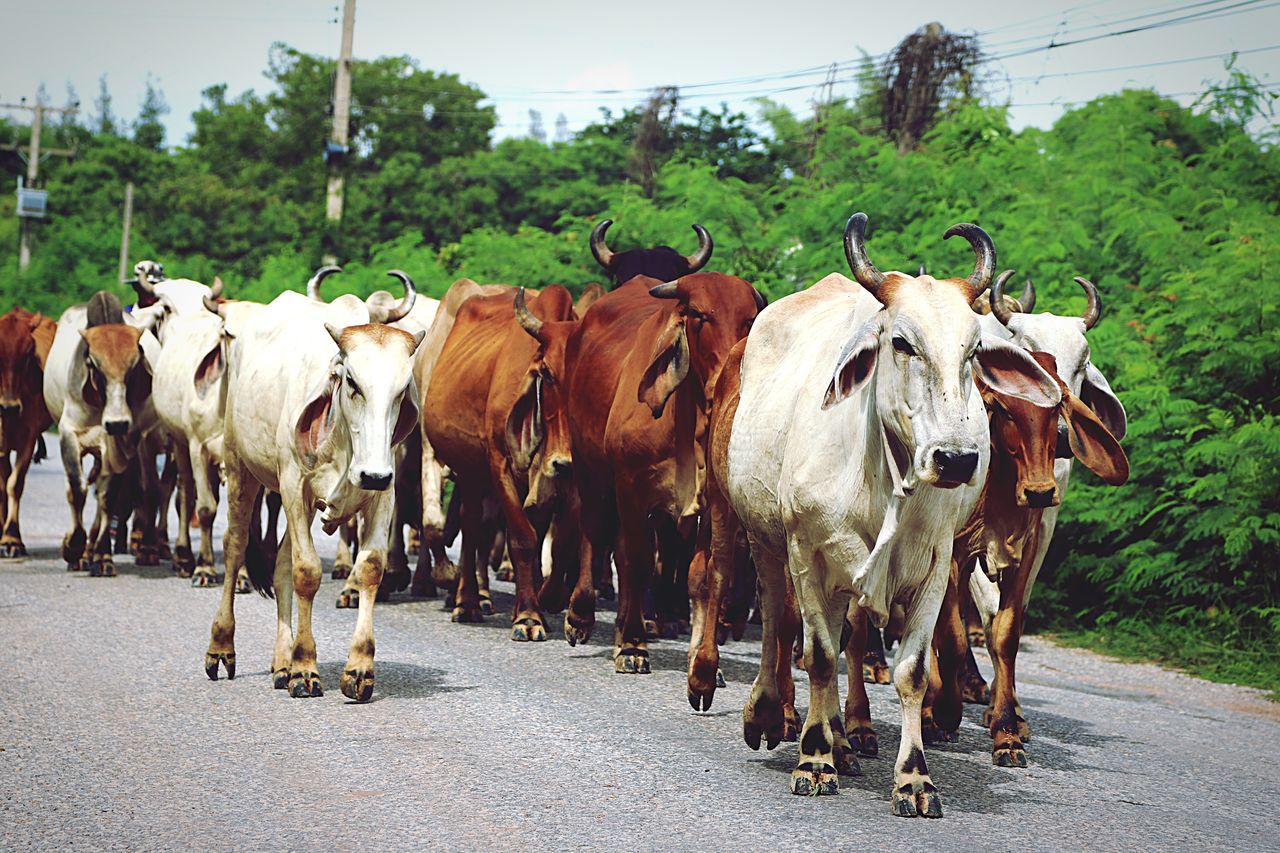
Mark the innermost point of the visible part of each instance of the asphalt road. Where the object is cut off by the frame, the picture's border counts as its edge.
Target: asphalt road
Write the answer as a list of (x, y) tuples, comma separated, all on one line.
[(111, 736)]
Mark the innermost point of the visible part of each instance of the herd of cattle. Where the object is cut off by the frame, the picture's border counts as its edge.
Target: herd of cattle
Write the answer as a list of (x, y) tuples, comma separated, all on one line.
[(887, 452)]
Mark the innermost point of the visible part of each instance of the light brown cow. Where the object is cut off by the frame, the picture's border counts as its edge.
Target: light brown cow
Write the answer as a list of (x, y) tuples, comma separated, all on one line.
[(25, 339)]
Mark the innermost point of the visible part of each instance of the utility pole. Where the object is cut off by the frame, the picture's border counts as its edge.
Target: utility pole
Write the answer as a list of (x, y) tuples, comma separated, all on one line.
[(336, 150), (124, 234), (33, 169)]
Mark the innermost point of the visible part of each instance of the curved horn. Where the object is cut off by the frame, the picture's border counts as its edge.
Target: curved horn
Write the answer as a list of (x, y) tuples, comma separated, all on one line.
[(699, 259), (667, 290), (855, 251), (528, 322), (405, 305), (599, 248), (211, 305), (984, 252), (762, 302), (216, 290), (313, 286), (143, 287), (1093, 311), (1028, 298), (923, 271), (998, 307)]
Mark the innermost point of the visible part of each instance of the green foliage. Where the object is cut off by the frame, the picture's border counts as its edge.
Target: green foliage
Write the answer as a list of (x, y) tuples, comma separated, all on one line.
[(1173, 212)]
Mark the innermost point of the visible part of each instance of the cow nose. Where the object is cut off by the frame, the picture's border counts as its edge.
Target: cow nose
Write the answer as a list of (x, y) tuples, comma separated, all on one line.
[(1040, 498), (955, 467), (1064, 444), (375, 482), (562, 467), (116, 427)]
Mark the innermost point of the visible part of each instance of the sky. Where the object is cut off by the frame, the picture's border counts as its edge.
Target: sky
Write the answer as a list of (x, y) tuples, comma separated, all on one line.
[(554, 55)]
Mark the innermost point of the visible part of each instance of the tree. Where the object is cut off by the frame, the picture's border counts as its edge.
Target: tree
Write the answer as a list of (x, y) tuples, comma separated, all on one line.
[(148, 128), (653, 136), (928, 69)]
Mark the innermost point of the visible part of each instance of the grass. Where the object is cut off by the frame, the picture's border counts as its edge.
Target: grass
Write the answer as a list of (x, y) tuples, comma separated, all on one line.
[(1208, 651)]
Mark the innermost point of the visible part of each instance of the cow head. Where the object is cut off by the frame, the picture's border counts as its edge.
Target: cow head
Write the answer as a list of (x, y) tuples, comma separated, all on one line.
[(1064, 338), (20, 374), (923, 349), (146, 275), (383, 306), (161, 298), (117, 379), (368, 398), (662, 262), (537, 428)]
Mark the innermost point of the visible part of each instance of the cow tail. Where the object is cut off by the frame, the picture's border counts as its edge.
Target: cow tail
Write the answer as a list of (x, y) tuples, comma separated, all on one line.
[(260, 552)]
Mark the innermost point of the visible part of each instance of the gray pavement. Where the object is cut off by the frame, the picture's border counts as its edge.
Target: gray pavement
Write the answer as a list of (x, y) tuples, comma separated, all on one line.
[(112, 737)]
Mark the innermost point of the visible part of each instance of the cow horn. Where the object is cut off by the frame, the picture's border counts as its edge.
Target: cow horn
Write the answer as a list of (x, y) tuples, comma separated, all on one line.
[(984, 252), (855, 251), (922, 271), (996, 294), (1028, 298), (762, 301), (216, 290), (666, 290), (211, 305), (699, 259), (599, 248), (143, 287), (1093, 312), (405, 305), (528, 322), (313, 286)]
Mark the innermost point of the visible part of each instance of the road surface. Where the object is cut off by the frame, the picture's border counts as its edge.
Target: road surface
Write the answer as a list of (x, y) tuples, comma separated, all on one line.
[(111, 736)]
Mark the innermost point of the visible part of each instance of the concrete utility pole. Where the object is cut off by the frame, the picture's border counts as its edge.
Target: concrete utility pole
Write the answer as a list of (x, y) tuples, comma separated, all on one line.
[(336, 151), (33, 169), (124, 233)]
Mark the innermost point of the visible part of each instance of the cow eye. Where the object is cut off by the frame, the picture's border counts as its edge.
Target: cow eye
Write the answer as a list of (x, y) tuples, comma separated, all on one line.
[(901, 345), (351, 383)]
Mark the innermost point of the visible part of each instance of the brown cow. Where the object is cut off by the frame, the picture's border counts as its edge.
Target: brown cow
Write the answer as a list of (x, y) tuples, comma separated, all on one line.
[(25, 339), (642, 366), (494, 413)]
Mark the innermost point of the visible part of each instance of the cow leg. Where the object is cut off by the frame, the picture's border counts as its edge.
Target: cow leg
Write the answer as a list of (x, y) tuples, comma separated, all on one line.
[(304, 678), (107, 490), (857, 706), (709, 579), (206, 511), (524, 544), (375, 524), (913, 791), (342, 562), (500, 563), (598, 521), (790, 645), (1008, 727), (466, 599), (762, 716), (671, 584), (564, 533), (443, 572), (168, 487), (148, 501), (944, 702), (184, 560), (241, 492), (282, 584), (73, 543), (824, 750), (14, 481), (875, 666), (635, 557), (973, 687)]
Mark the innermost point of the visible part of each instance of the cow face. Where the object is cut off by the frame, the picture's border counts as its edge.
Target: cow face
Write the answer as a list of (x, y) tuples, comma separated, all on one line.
[(19, 368), (1024, 441), (712, 313), (663, 262), (368, 397), (117, 378)]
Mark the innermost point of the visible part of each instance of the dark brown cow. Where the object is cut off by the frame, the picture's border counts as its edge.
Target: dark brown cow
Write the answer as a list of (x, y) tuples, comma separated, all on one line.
[(642, 366), (661, 262), (25, 339), (494, 413)]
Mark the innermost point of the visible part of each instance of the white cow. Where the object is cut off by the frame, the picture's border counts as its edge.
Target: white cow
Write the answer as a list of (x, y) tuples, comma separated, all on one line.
[(317, 399), (857, 424), (97, 387)]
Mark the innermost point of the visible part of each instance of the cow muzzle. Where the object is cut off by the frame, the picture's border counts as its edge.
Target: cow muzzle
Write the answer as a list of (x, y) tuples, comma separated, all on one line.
[(116, 428), (1039, 497), (955, 468), (375, 481)]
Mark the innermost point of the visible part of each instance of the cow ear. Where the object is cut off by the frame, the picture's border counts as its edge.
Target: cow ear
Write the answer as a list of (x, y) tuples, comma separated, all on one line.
[(524, 423), (1009, 370), (1096, 393), (667, 368), (1093, 444), (315, 424), (856, 363), (210, 370), (407, 420)]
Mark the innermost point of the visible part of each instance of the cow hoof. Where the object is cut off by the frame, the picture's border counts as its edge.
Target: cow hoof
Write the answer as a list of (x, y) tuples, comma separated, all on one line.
[(73, 547), (790, 731), (77, 566), (631, 662), (348, 599), (211, 661), (146, 556), (672, 630), (357, 684), (280, 679), (463, 614), (506, 574), (304, 685), (341, 573), (762, 717), (606, 593), (184, 562), (719, 678), (918, 800), (162, 551), (847, 762), (976, 691), (103, 567), (527, 630), (445, 574), (12, 550), (932, 733), (700, 700), (204, 576), (486, 605), (876, 673), (977, 638), (1009, 756), (425, 589), (863, 738), (577, 629), (1024, 730), (243, 585), (814, 780)]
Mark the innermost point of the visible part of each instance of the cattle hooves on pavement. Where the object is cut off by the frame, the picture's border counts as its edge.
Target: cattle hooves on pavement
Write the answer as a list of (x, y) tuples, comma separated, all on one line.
[(280, 679), (341, 572), (699, 700), (577, 630), (976, 691), (184, 562), (304, 685), (12, 550), (527, 630), (228, 661), (719, 678), (1011, 756), (348, 598), (243, 585), (204, 576), (464, 614), (486, 605), (357, 684), (814, 780), (847, 762), (102, 566), (863, 739), (73, 547), (632, 662), (920, 800)]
